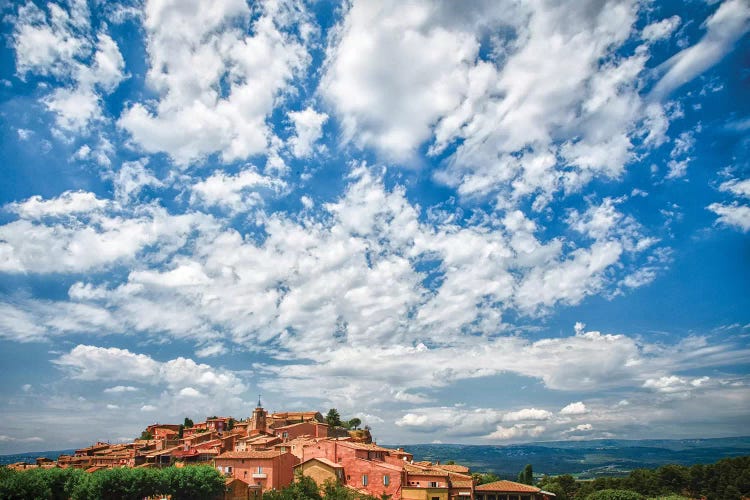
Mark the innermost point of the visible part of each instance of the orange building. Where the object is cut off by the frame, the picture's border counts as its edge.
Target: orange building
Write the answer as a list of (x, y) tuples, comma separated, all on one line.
[(265, 469)]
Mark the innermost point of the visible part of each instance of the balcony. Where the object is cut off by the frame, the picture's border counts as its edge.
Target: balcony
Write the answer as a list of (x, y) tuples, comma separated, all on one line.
[(259, 475)]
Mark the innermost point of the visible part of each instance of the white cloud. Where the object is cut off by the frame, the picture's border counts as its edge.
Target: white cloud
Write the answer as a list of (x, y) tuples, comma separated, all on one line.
[(527, 414), (516, 431), (132, 177), (675, 384), (308, 125), (222, 108), (394, 69), (733, 215), (730, 21), (577, 408), (184, 382), (210, 350), (68, 203), (738, 187), (235, 192), (88, 237), (580, 428), (62, 43), (660, 29), (120, 389)]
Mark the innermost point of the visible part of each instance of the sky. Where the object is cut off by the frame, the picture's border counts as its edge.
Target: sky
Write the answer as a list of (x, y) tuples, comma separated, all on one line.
[(482, 222)]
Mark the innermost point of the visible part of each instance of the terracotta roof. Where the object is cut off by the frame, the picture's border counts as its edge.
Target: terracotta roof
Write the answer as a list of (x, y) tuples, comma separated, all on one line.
[(461, 483), (508, 486), (461, 469), (363, 446), (423, 463), (249, 454), (424, 471), (323, 461), (382, 465), (185, 453)]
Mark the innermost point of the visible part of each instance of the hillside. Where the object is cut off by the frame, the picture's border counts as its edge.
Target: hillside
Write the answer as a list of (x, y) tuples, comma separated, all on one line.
[(585, 459)]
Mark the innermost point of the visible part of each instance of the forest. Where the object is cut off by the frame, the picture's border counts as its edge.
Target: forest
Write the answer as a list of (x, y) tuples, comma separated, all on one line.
[(727, 479)]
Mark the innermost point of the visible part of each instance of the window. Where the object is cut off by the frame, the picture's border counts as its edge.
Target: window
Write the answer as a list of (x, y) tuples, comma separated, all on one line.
[(364, 479), (285, 435), (260, 470), (433, 484), (386, 480)]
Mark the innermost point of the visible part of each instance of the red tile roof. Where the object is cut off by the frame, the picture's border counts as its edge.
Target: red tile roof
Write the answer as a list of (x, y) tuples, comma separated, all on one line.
[(249, 454), (461, 469), (508, 487), (323, 461)]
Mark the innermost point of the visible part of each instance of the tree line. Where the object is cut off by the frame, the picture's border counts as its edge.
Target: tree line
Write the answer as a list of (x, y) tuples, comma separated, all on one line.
[(182, 483), (727, 479), (304, 488)]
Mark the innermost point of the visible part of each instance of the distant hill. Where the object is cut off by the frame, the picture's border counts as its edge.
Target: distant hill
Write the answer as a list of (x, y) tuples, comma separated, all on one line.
[(585, 459), (31, 456)]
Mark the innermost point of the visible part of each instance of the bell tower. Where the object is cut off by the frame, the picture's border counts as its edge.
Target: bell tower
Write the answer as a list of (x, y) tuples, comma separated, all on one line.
[(258, 420)]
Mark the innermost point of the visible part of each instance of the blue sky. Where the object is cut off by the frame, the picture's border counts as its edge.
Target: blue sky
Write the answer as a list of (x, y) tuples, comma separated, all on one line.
[(485, 222)]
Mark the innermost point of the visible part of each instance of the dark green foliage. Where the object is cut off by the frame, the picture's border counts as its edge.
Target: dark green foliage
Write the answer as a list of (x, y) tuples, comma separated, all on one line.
[(526, 476), (485, 477), (728, 479), (333, 419), (354, 423), (26, 485), (188, 423), (186, 483), (615, 495), (146, 435), (194, 483), (304, 488), (230, 424)]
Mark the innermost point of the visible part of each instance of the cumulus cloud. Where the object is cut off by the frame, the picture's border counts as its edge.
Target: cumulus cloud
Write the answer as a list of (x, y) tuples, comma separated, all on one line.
[(247, 61), (235, 192), (515, 432), (308, 125), (73, 233), (577, 408), (181, 378), (61, 42)]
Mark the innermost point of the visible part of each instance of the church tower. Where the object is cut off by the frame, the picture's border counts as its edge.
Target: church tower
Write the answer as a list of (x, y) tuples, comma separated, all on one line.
[(258, 420)]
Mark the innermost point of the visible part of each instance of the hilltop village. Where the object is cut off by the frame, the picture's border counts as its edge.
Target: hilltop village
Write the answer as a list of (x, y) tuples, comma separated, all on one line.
[(266, 451)]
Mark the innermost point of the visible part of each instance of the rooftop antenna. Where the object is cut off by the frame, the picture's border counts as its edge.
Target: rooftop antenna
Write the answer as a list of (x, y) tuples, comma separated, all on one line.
[(259, 405)]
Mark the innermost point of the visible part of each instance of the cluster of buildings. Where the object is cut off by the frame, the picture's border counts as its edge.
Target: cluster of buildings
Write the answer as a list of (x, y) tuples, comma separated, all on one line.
[(266, 451)]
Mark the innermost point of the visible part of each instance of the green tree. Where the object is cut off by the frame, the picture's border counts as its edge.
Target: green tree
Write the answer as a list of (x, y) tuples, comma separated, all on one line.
[(355, 423), (615, 495), (333, 419), (146, 435), (25, 485), (526, 476), (230, 424), (194, 482), (485, 477), (188, 423)]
